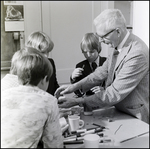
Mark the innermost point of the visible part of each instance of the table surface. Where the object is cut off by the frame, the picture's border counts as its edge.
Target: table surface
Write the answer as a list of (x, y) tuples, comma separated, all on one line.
[(120, 127)]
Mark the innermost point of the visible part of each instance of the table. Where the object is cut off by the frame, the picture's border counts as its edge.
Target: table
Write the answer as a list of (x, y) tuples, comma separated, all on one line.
[(120, 127)]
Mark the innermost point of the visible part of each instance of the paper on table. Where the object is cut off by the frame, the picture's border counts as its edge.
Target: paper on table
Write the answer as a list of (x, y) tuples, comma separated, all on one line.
[(123, 126), (128, 129)]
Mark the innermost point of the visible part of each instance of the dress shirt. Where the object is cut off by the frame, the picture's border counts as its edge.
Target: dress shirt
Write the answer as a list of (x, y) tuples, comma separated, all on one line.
[(96, 61), (94, 66), (119, 48)]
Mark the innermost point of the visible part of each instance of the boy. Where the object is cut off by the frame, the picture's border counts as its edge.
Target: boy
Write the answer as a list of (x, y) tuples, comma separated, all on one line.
[(28, 112)]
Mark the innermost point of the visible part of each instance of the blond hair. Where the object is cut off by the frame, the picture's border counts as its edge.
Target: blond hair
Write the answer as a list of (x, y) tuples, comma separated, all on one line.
[(31, 66), (40, 41), (90, 41)]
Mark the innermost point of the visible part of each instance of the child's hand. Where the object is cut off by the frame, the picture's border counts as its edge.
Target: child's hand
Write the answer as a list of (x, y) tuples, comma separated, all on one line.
[(96, 89), (77, 72)]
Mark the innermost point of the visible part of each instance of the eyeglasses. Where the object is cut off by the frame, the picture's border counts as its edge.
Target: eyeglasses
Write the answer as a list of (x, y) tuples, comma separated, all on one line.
[(104, 36)]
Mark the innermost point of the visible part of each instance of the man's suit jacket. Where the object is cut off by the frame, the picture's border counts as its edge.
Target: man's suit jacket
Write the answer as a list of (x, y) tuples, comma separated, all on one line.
[(129, 91), (53, 84), (86, 72)]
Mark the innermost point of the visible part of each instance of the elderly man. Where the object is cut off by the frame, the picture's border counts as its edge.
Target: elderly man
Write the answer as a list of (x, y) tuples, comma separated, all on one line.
[(126, 70)]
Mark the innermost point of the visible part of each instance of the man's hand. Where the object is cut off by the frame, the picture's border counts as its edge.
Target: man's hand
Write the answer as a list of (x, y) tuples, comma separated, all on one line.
[(58, 93), (64, 89), (67, 102), (77, 72)]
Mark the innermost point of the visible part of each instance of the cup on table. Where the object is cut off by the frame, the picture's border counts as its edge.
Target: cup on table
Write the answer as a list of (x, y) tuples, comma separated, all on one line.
[(91, 141), (75, 122)]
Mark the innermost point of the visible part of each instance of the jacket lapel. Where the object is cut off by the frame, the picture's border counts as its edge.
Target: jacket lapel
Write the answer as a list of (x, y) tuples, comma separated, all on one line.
[(126, 48), (88, 67)]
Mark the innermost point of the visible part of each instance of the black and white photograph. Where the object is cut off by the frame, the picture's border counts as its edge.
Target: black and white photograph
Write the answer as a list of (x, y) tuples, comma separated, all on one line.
[(74, 74)]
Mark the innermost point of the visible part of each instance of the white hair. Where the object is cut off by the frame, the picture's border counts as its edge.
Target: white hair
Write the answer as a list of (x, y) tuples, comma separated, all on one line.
[(110, 19)]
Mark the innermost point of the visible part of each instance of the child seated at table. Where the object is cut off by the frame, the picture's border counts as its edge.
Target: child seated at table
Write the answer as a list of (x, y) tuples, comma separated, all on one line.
[(91, 48), (42, 42), (28, 112), (11, 79)]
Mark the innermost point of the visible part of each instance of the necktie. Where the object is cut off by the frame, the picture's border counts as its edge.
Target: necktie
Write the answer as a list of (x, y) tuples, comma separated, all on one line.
[(116, 52), (94, 66), (111, 71)]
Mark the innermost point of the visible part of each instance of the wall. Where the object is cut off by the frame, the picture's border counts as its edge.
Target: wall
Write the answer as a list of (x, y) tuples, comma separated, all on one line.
[(141, 20), (69, 22), (32, 16), (125, 7), (65, 22)]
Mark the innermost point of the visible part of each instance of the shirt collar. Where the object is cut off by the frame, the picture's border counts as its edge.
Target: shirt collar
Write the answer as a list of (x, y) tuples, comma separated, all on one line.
[(123, 42), (96, 61)]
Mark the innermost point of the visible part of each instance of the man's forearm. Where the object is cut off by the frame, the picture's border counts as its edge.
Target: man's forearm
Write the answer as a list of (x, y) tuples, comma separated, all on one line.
[(79, 100), (80, 84), (83, 85)]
